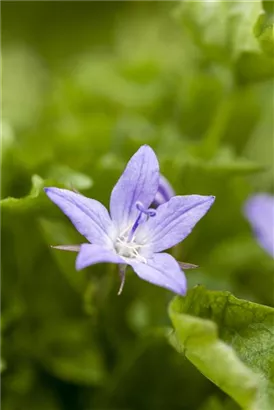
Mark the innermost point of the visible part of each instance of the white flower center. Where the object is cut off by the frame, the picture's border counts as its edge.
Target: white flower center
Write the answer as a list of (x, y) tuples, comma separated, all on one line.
[(129, 248), (126, 244)]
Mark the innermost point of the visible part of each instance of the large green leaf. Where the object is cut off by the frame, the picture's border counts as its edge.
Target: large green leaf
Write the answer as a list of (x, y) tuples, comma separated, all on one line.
[(222, 29), (264, 31), (36, 200), (69, 177), (224, 163), (26, 202), (231, 341)]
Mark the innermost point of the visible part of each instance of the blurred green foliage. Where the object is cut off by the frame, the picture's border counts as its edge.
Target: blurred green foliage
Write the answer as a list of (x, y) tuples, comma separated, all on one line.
[(84, 85)]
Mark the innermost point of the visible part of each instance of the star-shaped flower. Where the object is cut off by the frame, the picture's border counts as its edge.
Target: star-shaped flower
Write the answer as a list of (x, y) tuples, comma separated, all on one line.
[(259, 210), (133, 233)]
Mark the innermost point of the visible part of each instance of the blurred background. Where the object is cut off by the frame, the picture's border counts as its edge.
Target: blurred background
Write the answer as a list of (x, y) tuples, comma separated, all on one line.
[(84, 85)]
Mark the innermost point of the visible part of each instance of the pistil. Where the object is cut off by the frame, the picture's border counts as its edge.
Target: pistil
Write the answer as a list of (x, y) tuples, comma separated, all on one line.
[(143, 211)]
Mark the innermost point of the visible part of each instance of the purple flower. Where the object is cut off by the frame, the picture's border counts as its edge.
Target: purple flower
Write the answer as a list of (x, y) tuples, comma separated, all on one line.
[(164, 193), (134, 234), (259, 210)]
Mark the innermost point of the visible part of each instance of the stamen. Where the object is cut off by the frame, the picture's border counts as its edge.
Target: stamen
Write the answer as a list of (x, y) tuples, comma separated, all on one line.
[(126, 244), (125, 231), (142, 258)]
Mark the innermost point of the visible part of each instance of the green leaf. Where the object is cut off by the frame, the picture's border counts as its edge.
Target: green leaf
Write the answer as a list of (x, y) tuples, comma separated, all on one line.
[(34, 199), (242, 17), (230, 341), (225, 162), (223, 30), (69, 177), (264, 31)]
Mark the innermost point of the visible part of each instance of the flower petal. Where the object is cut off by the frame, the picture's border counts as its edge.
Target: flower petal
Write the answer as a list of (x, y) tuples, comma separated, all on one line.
[(88, 216), (174, 221), (162, 270), (90, 254), (139, 182), (259, 210), (164, 193)]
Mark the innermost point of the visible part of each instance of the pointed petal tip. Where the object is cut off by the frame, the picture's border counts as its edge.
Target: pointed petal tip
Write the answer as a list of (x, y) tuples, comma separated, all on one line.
[(139, 182), (48, 190), (51, 192), (77, 266), (179, 287), (182, 288), (78, 263), (182, 292), (55, 189), (211, 198), (147, 148), (176, 218)]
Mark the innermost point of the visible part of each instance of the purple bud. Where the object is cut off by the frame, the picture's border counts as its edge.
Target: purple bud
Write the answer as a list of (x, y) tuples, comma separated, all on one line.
[(164, 193), (259, 210)]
